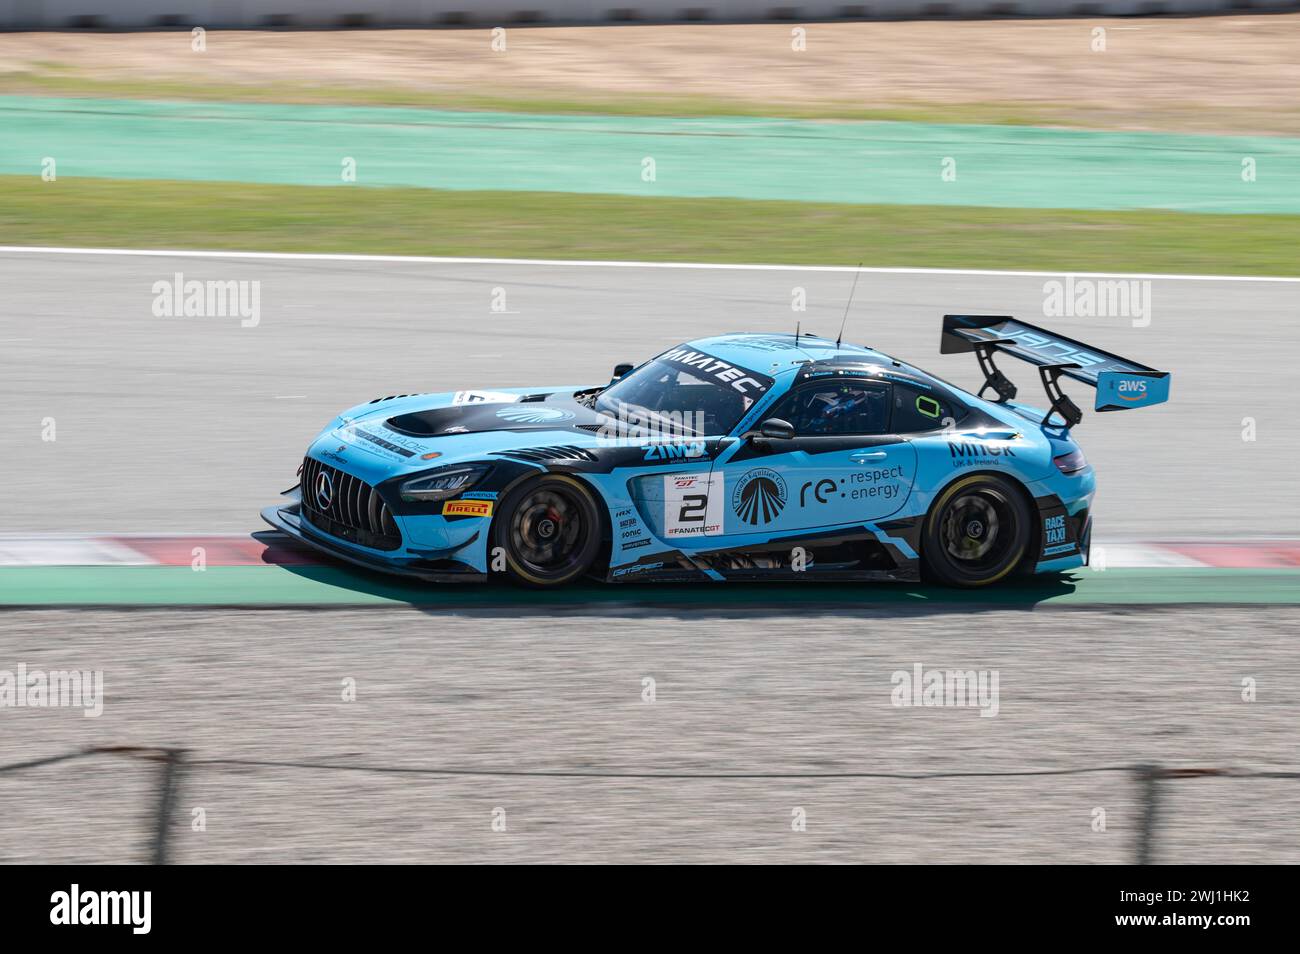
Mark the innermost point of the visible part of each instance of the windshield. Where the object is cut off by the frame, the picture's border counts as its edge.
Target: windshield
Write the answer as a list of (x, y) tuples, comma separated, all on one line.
[(683, 393)]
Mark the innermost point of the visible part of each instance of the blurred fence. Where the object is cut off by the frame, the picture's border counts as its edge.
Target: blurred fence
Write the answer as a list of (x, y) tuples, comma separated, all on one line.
[(362, 14), (174, 765)]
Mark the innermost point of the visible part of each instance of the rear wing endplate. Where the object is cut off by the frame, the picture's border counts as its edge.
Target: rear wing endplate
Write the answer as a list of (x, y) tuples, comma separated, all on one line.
[(1121, 384)]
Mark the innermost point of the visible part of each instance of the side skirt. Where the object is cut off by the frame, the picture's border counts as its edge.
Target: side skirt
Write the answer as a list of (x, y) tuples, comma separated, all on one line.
[(872, 555)]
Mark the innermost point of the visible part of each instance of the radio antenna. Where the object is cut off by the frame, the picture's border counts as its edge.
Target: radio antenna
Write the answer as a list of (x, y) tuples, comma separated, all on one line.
[(796, 332), (849, 304)]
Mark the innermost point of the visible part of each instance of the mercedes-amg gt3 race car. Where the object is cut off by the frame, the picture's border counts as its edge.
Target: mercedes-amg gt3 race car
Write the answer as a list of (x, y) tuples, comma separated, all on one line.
[(738, 457)]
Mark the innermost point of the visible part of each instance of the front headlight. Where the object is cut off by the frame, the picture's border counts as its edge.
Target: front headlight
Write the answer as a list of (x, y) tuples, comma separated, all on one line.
[(443, 483)]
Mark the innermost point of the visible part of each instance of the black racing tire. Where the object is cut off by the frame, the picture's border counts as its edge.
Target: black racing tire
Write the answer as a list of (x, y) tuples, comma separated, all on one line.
[(977, 531), (549, 529)]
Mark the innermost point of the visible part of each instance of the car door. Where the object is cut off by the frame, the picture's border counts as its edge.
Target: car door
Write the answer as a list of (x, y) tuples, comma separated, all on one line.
[(843, 466)]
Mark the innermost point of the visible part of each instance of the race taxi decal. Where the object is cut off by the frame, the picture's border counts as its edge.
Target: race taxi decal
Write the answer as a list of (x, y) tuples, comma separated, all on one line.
[(1057, 540)]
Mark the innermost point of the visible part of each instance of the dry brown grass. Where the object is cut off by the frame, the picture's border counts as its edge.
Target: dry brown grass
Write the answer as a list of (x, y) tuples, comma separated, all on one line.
[(1210, 74)]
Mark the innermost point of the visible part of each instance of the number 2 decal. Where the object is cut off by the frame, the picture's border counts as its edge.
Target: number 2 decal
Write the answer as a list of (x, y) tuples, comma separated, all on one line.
[(692, 505)]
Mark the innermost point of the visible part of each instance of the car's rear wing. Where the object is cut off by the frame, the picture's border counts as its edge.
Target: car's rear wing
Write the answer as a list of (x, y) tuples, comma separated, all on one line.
[(1121, 384)]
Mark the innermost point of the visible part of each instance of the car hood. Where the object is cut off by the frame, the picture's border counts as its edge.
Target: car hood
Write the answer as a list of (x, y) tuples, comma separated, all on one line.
[(409, 433)]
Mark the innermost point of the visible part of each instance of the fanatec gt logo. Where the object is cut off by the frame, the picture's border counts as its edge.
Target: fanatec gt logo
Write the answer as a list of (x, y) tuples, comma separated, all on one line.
[(759, 497), (324, 490)]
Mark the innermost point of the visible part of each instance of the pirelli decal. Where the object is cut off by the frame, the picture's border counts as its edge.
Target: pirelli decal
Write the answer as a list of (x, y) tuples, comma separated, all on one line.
[(467, 508)]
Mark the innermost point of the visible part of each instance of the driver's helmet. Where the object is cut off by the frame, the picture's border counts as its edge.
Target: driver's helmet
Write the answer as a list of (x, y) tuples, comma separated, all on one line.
[(831, 409)]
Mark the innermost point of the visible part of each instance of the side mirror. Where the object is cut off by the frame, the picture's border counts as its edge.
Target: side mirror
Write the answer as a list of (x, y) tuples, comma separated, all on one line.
[(622, 369), (776, 429)]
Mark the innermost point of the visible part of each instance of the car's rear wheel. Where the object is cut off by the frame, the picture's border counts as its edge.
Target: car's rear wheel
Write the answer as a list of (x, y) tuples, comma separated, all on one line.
[(549, 530), (977, 532)]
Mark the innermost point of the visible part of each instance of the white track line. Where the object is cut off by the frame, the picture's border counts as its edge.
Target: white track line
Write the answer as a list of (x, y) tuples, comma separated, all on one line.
[(1139, 556), (588, 263), (85, 551), (102, 549)]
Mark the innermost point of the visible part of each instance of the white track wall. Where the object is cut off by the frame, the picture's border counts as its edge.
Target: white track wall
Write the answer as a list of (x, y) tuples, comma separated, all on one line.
[(316, 14)]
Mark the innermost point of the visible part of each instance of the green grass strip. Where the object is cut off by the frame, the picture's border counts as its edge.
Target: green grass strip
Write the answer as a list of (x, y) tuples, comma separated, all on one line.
[(402, 221)]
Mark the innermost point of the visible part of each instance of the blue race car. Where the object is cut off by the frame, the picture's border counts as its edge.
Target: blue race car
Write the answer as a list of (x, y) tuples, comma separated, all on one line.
[(738, 457)]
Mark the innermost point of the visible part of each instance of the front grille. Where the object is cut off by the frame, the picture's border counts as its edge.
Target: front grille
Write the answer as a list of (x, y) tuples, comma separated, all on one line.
[(355, 511)]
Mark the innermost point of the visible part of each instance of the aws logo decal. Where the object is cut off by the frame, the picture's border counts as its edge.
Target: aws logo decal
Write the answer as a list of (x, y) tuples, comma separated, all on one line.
[(1132, 390), (759, 497)]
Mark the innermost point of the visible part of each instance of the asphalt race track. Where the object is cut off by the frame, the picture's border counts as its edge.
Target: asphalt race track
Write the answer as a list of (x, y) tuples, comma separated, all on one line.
[(169, 425), (745, 694), (194, 424)]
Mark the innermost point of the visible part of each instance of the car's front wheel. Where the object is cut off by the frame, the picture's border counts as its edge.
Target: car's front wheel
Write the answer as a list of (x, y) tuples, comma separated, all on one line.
[(549, 530), (977, 531)]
